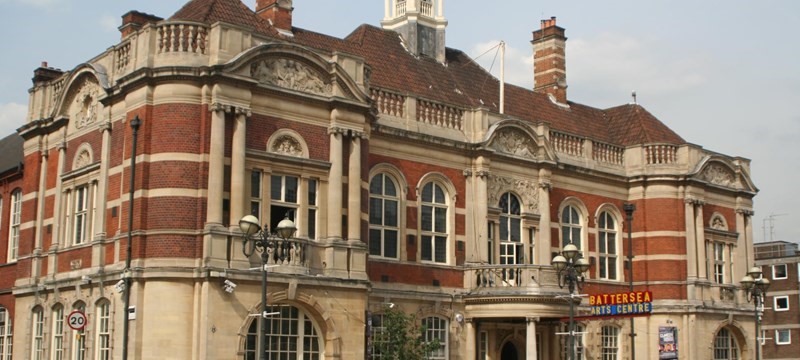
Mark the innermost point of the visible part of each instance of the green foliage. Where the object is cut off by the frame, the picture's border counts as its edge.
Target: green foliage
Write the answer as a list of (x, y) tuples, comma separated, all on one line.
[(402, 338)]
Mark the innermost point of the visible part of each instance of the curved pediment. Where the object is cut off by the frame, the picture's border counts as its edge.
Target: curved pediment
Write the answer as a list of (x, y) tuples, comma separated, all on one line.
[(721, 172), (514, 138), (297, 69)]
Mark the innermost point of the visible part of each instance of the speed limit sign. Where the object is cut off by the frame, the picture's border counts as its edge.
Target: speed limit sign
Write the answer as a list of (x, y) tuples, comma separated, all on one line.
[(76, 320)]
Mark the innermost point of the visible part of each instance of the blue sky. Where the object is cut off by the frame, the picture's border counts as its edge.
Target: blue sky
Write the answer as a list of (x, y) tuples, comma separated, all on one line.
[(724, 74)]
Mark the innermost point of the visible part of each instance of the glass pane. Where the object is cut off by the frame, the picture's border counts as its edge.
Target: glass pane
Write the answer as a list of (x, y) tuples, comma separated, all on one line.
[(391, 243), (504, 203), (612, 268), (427, 248), (439, 197), (441, 220), (375, 211), (503, 228), (389, 188), (276, 185), (441, 249), (427, 193), (376, 185), (312, 192), (516, 230), (255, 184), (515, 206), (390, 218), (602, 243), (312, 224), (602, 269), (375, 242), (612, 245), (427, 218), (291, 189)]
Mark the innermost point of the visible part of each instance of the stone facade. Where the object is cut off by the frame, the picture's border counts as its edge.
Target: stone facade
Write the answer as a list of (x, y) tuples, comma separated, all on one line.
[(407, 185)]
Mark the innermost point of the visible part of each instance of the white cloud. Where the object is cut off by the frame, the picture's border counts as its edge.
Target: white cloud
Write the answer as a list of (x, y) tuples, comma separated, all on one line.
[(12, 116)]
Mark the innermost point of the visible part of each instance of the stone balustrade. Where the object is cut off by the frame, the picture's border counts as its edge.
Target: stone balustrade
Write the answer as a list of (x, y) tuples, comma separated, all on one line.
[(180, 36), (522, 278)]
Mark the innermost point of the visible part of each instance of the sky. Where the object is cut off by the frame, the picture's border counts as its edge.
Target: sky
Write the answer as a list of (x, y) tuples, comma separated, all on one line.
[(723, 74)]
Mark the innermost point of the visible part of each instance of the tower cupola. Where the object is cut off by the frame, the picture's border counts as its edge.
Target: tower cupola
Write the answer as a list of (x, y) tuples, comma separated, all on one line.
[(421, 23)]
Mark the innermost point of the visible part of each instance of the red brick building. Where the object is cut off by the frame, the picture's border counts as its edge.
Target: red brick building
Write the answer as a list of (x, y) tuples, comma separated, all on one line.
[(781, 313), (408, 183)]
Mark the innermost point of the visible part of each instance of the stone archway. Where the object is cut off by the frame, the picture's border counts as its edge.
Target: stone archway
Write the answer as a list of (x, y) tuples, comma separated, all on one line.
[(509, 352)]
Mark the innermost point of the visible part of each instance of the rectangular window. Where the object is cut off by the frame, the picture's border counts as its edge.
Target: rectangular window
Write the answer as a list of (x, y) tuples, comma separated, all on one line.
[(312, 208), (80, 215), (103, 332), (779, 272), (436, 328), (610, 341), (255, 194), (490, 241), (14, 222), (378, 336), (783, 336), (38, 335), (781, 303), (57, 342), (5, 335), (283, 193), (484, 346), (719, 263)]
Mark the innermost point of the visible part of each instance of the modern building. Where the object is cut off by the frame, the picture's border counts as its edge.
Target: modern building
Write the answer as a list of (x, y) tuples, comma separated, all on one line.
[(781, 314), (414, 177)]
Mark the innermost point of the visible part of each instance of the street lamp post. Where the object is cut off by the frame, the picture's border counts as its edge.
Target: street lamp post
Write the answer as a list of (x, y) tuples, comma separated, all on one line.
[(570, 267), (755, 288), (629, 209), (258, 238)]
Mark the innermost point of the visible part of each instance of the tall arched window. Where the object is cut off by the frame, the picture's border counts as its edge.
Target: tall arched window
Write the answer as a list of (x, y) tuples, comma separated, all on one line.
[(571, 227), (5, 334), (15, 219), (79, 336), (433, 221), (607, 238), (511, 251), (57, 333), (37, 334), (436, 328), (384, 217), (291, 335), (725, 346), (102, 328)]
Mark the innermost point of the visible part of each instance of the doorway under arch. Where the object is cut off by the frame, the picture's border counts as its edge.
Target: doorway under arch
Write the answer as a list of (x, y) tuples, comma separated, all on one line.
[(509, 352)]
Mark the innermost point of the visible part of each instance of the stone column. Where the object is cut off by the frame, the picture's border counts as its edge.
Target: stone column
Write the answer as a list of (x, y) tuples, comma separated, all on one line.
[(700, 237), (471, 348), (530, 339), (335, 184), (542, 249), (36, 264), (216, 166), (472, 227), (744, 257), (481, 210), (354, 189), (100, 198), (238, 176)]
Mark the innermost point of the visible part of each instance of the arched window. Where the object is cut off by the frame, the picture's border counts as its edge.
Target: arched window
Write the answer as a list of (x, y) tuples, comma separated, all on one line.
[(15, 219), (57, 333), (103, 330), (725, 347), (609, 339), (511, 251), (291, 335), (5, 334), (79, 336), (37, 334), (436, 328), (571, 227), (607, 247), (434, 223), (384, 217)]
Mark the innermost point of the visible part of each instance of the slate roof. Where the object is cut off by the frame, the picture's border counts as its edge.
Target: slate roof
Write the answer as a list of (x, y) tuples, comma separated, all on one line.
[(460, 82), (12, 153)]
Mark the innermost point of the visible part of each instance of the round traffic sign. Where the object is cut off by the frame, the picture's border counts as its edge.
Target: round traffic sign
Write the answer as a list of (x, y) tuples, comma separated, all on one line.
[(76, 320)]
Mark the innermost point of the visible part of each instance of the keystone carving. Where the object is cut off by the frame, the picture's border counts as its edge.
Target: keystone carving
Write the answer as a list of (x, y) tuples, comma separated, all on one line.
[(287, 145), (528, 190)]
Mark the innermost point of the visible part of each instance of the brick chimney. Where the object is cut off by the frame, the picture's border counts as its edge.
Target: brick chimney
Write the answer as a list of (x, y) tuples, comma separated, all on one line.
[(44, 74), (277, 12), (549, 60), (133, 20)]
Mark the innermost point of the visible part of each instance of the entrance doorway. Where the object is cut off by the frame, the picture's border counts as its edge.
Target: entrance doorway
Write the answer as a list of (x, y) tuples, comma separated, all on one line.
[(509, 352)]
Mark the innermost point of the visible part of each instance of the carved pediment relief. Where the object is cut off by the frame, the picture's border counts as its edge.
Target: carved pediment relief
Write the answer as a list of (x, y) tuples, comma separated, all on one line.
[(514, 142), (84, 107), (526, 189), (289, 143), (718, 174), (290, 74)]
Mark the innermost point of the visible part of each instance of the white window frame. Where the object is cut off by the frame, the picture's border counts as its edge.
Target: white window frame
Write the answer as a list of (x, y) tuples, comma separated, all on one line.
[(571, 223), (381, 220), (775, 274), (303, 324), (483, 346), (37, 334), (103, 331), (57, 333), (611, 235), (437, 328), (775, 303), (80, 215), (304, 211), (6, 334), (14, 222), (436, 206), (778, 333), (610, 342), (512, 249), (79, 338), (719, 262)]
